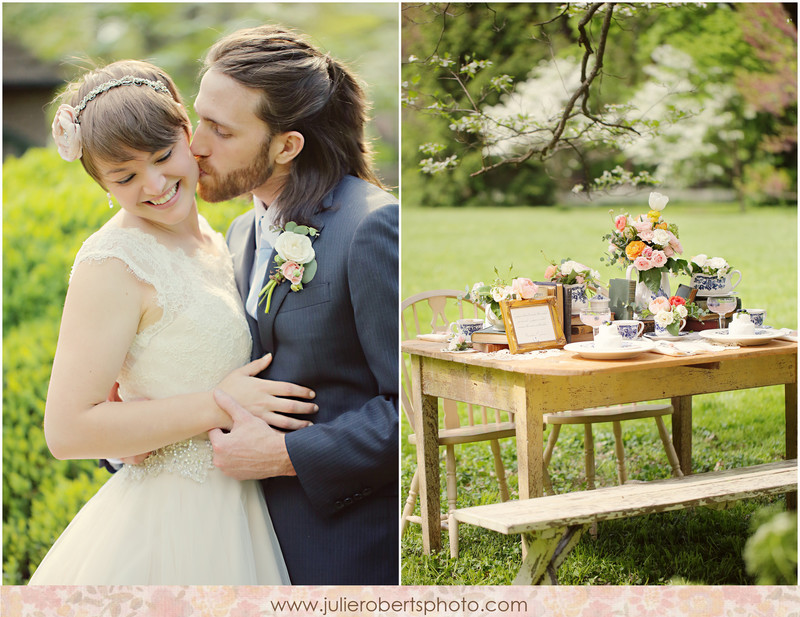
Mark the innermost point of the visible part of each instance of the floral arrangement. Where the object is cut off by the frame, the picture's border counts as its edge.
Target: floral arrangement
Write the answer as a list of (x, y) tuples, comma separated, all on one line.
[(458, 342), (490, 296), (668, 312), (570, 272), (648, 243), (295, 260), (714, 266)]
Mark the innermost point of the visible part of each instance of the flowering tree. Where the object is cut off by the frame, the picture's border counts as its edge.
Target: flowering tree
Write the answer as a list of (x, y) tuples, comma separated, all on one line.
[(512, 132), (611, 93)]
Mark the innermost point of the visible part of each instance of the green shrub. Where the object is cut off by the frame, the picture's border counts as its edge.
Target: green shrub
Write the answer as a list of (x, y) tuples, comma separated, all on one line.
[(771, 552), (49, 208), (30, 474)]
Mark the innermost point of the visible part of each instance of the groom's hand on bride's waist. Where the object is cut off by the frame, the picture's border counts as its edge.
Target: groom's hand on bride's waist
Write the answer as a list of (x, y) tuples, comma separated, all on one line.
[(251, 450)]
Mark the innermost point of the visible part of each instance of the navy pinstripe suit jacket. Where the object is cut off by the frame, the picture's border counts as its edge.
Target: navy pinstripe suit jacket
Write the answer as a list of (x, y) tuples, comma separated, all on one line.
[(337, 521)]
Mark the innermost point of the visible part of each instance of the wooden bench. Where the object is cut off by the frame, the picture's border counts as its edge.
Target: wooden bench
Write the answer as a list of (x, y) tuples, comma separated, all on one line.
[(551, 526)]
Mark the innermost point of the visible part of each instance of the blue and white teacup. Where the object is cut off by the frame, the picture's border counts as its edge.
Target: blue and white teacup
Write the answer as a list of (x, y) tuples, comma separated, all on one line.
[(660, 331), (629, 329), (757, 316), (466, 327)]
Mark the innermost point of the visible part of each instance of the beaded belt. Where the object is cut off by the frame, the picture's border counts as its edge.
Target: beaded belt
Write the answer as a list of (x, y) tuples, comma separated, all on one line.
[(190, 459)]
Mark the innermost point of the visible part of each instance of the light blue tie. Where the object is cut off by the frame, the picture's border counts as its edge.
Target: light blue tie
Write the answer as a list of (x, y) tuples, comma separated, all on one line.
[(259, 266)]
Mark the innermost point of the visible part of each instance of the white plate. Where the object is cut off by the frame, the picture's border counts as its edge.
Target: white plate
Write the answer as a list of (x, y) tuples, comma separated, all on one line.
[(629, 349), (668, 337), (762, 336)]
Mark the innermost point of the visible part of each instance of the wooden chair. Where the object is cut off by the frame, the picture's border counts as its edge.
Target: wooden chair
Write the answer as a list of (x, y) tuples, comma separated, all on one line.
[(489, 425), (479, 426), (614, 414)]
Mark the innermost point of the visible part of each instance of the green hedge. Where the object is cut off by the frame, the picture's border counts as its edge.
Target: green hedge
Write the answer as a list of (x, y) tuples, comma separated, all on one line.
[(49, 208)]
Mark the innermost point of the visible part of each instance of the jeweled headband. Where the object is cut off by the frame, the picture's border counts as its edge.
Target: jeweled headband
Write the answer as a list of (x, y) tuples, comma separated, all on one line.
[(67, 125), (128, 80)]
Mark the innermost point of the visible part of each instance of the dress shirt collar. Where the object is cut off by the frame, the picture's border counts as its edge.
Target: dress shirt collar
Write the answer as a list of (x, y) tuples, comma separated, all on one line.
[(264, 220)]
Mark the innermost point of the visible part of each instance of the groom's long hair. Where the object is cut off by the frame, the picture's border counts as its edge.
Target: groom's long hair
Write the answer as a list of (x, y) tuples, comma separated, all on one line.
[(306, 91)]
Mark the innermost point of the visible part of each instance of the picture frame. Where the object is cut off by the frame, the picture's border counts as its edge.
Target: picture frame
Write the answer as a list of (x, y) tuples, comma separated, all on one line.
[(532, 324)]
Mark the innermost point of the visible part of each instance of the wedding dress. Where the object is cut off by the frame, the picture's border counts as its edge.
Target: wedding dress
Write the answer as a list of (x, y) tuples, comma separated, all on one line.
[(175, 519)]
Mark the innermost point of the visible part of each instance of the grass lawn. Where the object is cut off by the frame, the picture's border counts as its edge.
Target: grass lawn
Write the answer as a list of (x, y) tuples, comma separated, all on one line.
[(455, 247)]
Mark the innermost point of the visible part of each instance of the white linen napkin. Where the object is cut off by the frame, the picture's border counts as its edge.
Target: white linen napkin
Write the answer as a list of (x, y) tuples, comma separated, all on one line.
[(689, 348)]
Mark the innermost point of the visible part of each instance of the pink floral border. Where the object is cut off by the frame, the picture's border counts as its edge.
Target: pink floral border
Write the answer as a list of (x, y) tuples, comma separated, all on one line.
[(751, 601)]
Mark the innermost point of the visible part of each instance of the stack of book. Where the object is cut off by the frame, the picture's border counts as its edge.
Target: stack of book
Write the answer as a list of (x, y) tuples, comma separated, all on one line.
[(489, 339)]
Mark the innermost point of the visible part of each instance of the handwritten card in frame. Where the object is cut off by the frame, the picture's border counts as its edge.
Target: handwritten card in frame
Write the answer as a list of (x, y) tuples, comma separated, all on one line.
[(532, 324)]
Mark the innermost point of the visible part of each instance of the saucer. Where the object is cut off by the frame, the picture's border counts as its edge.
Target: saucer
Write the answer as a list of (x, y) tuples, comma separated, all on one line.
[(668, 337), (761, 336), (629, 349)]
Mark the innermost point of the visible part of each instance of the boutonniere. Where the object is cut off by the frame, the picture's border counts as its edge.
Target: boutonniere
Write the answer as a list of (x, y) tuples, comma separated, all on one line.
[(295, 260)]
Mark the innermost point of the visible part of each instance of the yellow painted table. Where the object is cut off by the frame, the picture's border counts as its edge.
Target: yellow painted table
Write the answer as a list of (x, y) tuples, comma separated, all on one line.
[(533, 387)]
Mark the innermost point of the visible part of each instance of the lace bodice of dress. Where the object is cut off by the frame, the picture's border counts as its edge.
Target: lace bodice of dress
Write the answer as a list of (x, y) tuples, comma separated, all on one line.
[(203, 333)]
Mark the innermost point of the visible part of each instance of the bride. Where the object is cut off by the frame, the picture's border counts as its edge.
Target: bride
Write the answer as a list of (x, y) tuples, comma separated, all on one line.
[(152, 305)]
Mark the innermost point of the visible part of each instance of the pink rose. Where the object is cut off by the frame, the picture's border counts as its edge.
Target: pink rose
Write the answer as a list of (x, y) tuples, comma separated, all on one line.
[(524, 288), (292, 271), (642, 226), (675, 244), (647, 235), (621, 222), (659, 258), (642, 263), (67, 133), (647, 253), (660, 304), (550, 272)]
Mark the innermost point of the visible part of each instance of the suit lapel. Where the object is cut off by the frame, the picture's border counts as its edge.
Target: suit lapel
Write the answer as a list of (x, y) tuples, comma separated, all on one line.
[(266, 322)]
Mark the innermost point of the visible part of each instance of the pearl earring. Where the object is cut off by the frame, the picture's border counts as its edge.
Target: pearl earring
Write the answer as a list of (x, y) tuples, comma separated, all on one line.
[(110, 203)]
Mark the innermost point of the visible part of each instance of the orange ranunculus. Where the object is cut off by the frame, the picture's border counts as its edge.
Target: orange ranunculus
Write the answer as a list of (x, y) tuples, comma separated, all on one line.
[(634, 249), (662, 225)]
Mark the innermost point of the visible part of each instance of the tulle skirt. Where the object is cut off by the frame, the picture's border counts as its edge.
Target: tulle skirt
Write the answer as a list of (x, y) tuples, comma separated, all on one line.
[(163, 528)]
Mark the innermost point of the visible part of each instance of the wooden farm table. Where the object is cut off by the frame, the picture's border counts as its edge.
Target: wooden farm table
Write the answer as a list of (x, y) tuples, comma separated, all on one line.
[(533, 387)]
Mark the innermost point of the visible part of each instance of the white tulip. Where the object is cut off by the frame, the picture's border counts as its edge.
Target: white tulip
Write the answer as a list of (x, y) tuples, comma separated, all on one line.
[(658, 201)]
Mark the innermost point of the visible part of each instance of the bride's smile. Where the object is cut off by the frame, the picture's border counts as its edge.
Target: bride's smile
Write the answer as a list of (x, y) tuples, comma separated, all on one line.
[(163, 200)]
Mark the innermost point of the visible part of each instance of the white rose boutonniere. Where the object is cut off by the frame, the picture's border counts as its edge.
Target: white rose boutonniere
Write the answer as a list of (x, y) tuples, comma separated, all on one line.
[(295, 260)]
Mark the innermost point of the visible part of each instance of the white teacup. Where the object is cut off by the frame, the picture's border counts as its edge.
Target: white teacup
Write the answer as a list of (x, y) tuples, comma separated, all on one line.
[(466, 327), (664, 332), (608, 337), (629, 329), (757, 316)]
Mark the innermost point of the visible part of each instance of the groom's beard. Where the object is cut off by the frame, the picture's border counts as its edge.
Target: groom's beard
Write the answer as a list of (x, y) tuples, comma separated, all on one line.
[(213, 187)]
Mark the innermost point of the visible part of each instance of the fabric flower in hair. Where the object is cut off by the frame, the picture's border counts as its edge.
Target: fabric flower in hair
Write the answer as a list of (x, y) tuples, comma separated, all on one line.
[(67, 133)]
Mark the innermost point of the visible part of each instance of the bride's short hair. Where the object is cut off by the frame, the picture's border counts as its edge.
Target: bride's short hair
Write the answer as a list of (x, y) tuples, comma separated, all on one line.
[(127, 118)]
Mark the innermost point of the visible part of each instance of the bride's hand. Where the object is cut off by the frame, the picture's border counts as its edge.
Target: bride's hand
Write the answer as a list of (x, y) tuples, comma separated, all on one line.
[(265, 398)]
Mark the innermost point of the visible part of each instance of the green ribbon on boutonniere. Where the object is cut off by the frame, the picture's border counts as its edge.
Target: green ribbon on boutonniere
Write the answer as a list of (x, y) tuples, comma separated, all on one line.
[(295, 260)]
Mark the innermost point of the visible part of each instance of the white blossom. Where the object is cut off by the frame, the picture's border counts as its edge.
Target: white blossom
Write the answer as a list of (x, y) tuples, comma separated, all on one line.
[(663, 318)]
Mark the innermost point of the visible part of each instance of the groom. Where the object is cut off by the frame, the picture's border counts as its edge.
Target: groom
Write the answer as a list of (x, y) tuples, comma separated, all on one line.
[(281, 120)]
